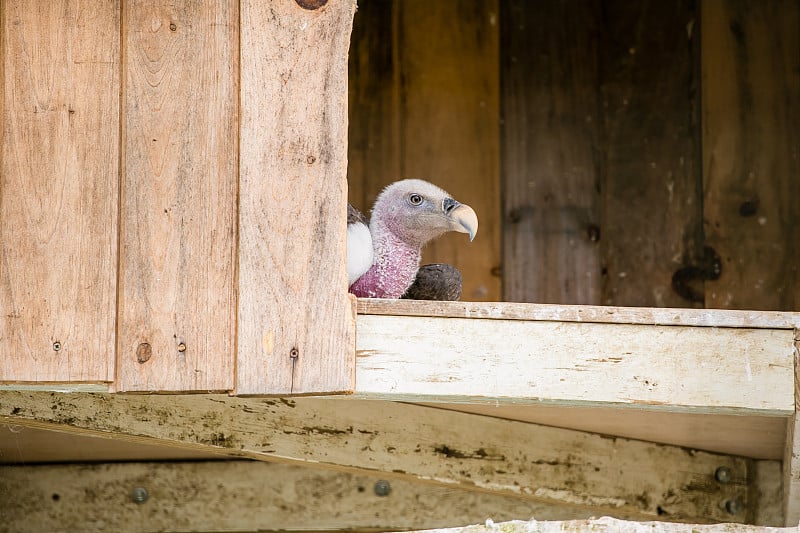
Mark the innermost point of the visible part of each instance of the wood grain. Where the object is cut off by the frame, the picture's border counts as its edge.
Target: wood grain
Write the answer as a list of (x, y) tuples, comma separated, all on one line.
[(58, 189), (791, 455), (666, 368), (583, 313), (178, 229), (751, 157), (240, 496), (551, 168), (652, 182), (614, 475), (295, 320)]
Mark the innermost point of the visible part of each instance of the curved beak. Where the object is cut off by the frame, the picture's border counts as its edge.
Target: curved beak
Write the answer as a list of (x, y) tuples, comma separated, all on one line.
[(463, 219)]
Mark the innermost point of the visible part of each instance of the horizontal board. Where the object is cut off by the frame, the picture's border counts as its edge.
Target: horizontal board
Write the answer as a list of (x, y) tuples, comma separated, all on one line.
[(583, 313), (676, 368), (625, 478), (239, 496)]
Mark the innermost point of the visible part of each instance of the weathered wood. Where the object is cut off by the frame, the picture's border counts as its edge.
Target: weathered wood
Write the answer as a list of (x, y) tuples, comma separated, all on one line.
[(791, 456), (295, 320), (768, 494), (652, 183), (177, 304), (673, 368), (584, 313), (58, 189), (238, 496), (610, 525), (757, 437), (751, 159), (613, 475), (549, 107)]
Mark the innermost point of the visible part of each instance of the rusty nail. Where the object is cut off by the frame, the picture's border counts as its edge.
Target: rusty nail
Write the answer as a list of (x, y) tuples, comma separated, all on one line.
[(311, 4), (182, 347), (139, 495), (723, 474), (173, 26), (144, 352), (310, 159), (382, 488), (294, 353), (734, 506), (56, 346)]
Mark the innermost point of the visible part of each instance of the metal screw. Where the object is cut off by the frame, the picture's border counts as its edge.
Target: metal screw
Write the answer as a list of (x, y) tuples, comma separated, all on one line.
[(173, 26), (382, 488), (734, 506), (56, 346), (723, 474), (182, 347), (139, 495), (294, 353)]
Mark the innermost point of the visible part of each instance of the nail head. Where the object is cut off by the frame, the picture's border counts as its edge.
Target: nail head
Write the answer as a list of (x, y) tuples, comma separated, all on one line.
[(139, 495), (382, 488)]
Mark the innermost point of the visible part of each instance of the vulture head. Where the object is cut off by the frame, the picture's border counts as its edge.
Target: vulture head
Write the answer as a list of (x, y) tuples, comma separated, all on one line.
[(406, 215)]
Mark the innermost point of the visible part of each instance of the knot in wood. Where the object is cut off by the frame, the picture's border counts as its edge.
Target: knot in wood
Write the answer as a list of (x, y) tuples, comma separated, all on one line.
[(311, 4), (144, 352)]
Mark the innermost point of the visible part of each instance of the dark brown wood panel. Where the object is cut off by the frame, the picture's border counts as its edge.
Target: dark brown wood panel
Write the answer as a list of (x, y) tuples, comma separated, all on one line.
[(751, 152), (550, 152), (651, 180)]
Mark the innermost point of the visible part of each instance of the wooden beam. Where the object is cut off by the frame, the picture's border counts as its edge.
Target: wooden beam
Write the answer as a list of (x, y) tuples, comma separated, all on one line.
[(673, 368), (295, 320), (240, 496), (791, 456), (555, 466), (59, 168), (716, 318), (610, 525), (177, 307)]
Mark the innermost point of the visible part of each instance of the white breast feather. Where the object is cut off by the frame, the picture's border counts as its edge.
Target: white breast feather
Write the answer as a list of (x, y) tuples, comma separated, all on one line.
[(359, 251)]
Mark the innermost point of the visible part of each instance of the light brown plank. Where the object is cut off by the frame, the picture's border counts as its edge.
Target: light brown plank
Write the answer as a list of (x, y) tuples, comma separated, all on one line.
[(751, 159), (449, 105), (652, 182), (295, 320), (58, 189), (608, 475), (239, 496), (551, 172), (575, 313), (791, 456), (177, 298)]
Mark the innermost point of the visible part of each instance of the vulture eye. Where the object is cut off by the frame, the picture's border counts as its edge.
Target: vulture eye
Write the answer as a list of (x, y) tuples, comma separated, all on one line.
[(415, 199)]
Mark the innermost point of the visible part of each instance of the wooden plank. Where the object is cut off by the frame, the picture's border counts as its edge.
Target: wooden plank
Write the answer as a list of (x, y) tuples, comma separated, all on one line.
[(551, 172), (791, 457), (610, 525), (448, 54), (239, 496), (622, 477), (373, 155), (757, 437), (652, 183), (671, 368), (58, 189), (583, 313), (751, 158), (178, 232), (295, 320)]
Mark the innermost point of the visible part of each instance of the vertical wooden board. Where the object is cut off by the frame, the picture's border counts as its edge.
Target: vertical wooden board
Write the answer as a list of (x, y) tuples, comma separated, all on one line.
[(178, 229), (652, 183), (791, 456), (296, 323), (550, 161), (449, 119), (373, 158), (58, 189), (751, 156)]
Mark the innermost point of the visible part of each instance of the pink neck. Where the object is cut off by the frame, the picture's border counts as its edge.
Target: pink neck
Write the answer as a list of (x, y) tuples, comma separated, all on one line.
[(393, 269)]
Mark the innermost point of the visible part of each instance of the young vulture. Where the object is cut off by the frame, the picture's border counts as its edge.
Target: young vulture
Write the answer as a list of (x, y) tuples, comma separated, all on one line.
[(383, 255)]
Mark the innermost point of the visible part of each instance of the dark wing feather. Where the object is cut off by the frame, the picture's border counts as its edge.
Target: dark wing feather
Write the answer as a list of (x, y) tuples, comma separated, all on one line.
[(354, 215), (435, 282)]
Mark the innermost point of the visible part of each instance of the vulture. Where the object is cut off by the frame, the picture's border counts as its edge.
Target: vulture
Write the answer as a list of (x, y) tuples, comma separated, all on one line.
[(383, 254)]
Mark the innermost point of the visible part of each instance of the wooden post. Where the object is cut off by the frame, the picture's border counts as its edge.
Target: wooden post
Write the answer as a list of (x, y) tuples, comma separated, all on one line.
[(296, 329), (59, 108)]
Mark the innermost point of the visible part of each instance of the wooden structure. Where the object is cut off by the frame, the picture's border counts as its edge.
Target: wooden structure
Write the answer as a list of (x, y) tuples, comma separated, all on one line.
[(172, 202)]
